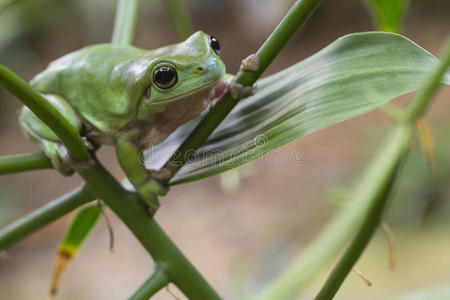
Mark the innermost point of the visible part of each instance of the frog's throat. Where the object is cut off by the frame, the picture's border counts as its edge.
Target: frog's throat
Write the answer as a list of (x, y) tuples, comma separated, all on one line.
[(185, 95)]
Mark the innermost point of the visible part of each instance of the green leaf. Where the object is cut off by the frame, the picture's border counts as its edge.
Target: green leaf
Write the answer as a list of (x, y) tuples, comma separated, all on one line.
[(435, 294), (353, 75), (80, 227), (387, 14)]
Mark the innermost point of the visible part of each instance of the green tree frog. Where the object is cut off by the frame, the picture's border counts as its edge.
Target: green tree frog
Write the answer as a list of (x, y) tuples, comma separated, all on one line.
[(129, 97)]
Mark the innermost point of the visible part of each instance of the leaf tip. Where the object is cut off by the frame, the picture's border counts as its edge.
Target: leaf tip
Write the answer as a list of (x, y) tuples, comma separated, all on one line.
[(62, 261)]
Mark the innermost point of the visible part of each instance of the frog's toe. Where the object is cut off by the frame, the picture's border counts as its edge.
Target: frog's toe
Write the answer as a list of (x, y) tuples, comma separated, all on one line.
[(147, 193), (61, 167), (150, 190), (54, 153), (73, 163), (251, 63), (158, 188), (161, 175), (88, 144), (237, 90), (152, 202)]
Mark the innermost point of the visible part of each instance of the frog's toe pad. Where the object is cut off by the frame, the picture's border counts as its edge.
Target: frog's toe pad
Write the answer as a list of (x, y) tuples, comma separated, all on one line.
[(73, 163), (237, 90), (251, 63), (55, 153), (87, 143), (161, 175), (147, 193), (61, 167)]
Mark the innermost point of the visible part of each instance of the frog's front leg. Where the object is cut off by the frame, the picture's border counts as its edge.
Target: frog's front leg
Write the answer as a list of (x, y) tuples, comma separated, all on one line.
[(237, 90), (229, 83), (129, 151)]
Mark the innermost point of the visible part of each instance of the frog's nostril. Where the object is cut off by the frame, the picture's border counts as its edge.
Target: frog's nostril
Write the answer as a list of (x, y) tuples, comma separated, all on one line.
[(200, 69)]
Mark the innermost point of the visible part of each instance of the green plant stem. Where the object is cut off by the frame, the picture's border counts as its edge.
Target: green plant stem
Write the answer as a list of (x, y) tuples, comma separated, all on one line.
[(43, 216), (377, 187), (419, 103), (366, 197), (127, 206), (397, 147), (24, 162), (44, 111), (133, 213), (125, 22), (155, 282), (181, 20), (101, 184), (296, 16)]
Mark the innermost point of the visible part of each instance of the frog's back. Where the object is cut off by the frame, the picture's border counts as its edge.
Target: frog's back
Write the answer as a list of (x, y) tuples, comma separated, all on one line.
[(101, 82)]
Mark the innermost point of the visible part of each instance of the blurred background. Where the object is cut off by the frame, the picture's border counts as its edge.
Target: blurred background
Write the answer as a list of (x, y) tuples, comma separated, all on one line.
[(239, 229)]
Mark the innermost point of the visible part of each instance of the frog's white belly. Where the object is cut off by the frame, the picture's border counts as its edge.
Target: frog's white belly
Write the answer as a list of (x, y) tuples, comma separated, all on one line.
[(172, 117)]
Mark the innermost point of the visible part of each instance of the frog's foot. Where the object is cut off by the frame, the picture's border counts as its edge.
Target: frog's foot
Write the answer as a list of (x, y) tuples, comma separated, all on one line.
[(161, 175), (87, 143), (61, 160), (149, 192), (73, 163), (153, 187), (55, 153), (238, 91), (251, 64), (146, 193), (230, 84)]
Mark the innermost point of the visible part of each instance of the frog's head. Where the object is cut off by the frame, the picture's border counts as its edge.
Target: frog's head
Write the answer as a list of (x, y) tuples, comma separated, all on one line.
[(182, 70)]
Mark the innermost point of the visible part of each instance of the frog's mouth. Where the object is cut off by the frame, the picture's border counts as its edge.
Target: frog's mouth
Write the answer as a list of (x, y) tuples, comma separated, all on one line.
[(205, 88)]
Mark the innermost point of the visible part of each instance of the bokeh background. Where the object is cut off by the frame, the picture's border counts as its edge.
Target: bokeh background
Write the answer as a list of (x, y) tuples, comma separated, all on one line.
[(240, 229)]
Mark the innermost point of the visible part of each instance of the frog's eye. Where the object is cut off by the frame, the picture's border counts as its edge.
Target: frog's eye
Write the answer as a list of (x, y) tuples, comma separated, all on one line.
[(165, 77), (214, 44)]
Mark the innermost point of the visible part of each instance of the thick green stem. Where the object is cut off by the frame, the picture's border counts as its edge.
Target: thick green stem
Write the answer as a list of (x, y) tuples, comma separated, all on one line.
[(385, 169), (101, 184), (419, 103), (296, 16), (127, 205), (125, 22), (181, 20), (44, 111), (43, 216), (291, 22), (414, 110), (155, 282), (24, 162), (133, 213), (364, 199)]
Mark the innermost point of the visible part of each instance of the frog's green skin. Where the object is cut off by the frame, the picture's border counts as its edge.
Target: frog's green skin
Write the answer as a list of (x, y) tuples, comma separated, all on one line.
[(107, 92)]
